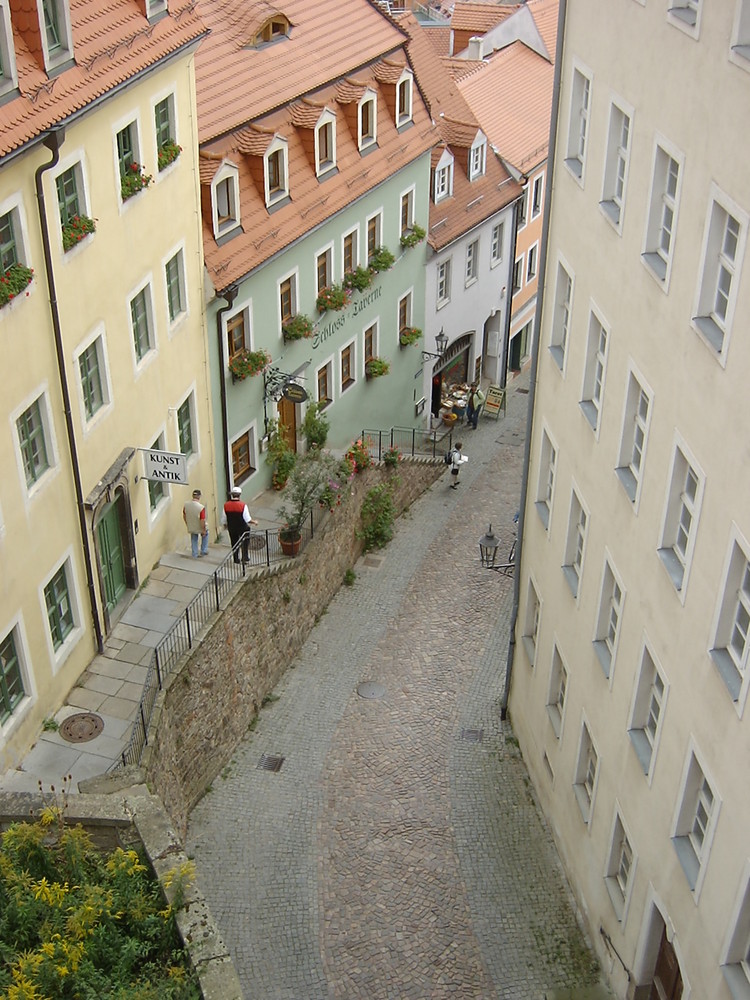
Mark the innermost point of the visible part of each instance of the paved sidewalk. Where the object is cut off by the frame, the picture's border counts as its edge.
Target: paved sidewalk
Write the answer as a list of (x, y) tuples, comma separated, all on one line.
[(398, 853)]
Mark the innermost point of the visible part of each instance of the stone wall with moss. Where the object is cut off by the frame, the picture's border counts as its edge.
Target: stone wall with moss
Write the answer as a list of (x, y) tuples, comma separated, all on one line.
[(214, 695)]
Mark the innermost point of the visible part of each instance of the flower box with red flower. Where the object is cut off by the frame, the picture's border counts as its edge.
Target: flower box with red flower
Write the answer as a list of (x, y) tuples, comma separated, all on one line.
[(77, 228), (134, 179), (14, 281), (245, 363)]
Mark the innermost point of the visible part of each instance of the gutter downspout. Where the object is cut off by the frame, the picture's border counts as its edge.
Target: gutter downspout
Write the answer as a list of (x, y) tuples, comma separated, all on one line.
[(53, 140), (509, 310), (535, 355), (229, 296)]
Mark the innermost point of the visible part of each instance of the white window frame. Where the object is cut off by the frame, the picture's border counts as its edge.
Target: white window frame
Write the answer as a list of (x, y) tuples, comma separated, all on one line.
[(227, 173), (352, 344), (408, 297), (245, 308), (65, 52), (581, 93), (522, 211), (586, 775), (545, 492), (686, 14), (532, 261), (730, 645), (375, 326), (96, 336), (695, 819), (406, 79), (365, 142), (739, 52), (537, 197), (378, 215), (663, 211), (41, 395), (557, 692), (171, 98), (608, 626), (410, 195), (518, 270), (178, 252), (575, 542), (16, 627), (139, 364), (478, 157), (326, 250), (279, 146), (735, 962), (9, 79), (647, 710), (292, 275), (332, 378), (327, 119), (14, 207), (60, 655), (497, 239), (620, 846), (251, 430), (713, 328), (532, 621), (354, 231), (595, 370), (443, 282), (562, 313), (471, 271), (132, 121), (617, 163), (634, 436), (443, 179), (164, 501), (76, 162), (682, 509), (189, 398)]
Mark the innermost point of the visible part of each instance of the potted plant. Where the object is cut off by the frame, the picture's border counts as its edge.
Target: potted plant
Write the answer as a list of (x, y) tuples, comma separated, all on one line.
[(280, 455), (333, 297), (376, 367), (245, 363), (297, 327), (409, 335), (359, 279), (411, 239), (134, 179), (315, 426), (14, 281), (308, 482), (168, 153), (75, 229), (381, 260)]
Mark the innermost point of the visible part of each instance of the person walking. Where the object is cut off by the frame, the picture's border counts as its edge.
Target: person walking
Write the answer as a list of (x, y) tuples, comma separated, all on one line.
[(194, 516), (237, 520), (476, 398), (457, 460)]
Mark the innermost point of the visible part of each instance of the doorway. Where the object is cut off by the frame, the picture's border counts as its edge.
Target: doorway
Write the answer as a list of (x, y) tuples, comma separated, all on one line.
[(288, 422), (112, 553), (667, 981)]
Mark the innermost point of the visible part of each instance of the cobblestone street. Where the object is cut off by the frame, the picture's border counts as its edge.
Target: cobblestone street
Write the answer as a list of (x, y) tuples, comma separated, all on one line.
[(398, 852)]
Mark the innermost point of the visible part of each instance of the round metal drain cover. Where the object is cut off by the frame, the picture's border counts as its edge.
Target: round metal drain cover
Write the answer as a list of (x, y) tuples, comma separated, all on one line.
[(371, 689), (82, 727), (256, 542)]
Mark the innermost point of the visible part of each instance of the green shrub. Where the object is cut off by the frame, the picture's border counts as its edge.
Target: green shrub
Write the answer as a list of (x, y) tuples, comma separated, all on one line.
[(378, 515)]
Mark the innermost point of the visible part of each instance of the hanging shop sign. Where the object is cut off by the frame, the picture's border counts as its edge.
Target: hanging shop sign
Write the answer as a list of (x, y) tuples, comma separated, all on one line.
[(294, 393), (165, 466)]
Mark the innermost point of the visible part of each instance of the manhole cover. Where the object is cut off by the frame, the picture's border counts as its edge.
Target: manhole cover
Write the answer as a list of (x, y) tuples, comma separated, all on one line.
[(81, 727), (256, 542), (472, 735), (371, 689), (270, 762)]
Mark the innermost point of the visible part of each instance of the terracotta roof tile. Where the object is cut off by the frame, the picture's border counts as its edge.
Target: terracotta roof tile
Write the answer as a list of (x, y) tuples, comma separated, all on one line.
[(253, 141), (458, 133), (112, 41), (208, 164), (459, 68), (305, 113), (545, 14), (472, 202), (329, 40), (389, 70), (439, 37), (348, 91), (480, 17)]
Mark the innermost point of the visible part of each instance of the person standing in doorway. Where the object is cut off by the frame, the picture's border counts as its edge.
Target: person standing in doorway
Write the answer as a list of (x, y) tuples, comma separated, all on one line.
[(476, 398), (194, 516), (237, 520), (457, 460)]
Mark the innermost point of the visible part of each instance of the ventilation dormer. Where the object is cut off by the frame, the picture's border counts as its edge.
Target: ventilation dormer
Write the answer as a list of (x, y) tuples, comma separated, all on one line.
[(442, 177), (44, 25), (367, 117), (220, 195), (274, 29), (8, 74), (316, 127), (478, 157)]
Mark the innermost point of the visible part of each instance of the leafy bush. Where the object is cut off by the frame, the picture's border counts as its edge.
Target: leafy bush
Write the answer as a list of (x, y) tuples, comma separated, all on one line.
[(315, 426), (378, 515)]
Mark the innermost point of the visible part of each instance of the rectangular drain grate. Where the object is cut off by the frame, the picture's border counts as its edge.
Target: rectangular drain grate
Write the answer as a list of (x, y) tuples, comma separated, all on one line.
[(472, 735), (270, 762), (522, 391)]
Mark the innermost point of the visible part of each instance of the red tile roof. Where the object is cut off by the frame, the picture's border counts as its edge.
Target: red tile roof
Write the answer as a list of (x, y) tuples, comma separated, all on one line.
[(112, 42), (440, 38), (479, 17)]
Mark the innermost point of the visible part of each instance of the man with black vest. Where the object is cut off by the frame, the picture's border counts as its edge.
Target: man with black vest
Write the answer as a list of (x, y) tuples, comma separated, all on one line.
[(236, 518)]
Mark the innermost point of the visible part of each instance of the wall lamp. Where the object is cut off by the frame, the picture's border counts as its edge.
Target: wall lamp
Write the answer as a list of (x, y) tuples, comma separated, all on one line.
[(441, 342)]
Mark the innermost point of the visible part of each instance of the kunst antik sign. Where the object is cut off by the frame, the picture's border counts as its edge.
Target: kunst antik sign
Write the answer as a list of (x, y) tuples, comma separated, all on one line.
[(164, 466)]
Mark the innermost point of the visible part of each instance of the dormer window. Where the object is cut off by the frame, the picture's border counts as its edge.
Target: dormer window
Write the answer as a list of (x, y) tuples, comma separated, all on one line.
[(478, 158), (367, 120), (57, 37), (277, 173), (155, 9), (225, 200), (403, 99), (274, 29), (443, 178), (8, 77), (325, 143)]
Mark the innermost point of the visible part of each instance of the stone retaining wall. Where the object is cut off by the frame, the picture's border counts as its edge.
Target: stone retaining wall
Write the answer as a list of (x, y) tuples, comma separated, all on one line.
[(212, 697)]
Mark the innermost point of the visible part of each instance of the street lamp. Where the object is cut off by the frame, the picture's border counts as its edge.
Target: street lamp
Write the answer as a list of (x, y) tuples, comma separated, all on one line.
[(488, 546), (441, 342)]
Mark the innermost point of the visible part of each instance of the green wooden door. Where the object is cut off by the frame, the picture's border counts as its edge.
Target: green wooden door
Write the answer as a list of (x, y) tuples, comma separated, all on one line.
[(111, 554)]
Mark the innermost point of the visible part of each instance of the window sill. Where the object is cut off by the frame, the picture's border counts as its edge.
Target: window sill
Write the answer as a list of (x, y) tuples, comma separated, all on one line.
[(575, 166), (604, 656), (542, 509), (612, 213), (629, 482), (728, 672), (688, 859), (530, 647), (571, 578), (346, 385), (642, 748), (673, 566), (591, 413), (558, 355), (657, 266), (711, 332), (583, 800), (555, 719), (737, 981), (615, 896)]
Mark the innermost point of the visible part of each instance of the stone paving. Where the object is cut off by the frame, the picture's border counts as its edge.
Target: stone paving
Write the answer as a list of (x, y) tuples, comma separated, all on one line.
[(399, 851)]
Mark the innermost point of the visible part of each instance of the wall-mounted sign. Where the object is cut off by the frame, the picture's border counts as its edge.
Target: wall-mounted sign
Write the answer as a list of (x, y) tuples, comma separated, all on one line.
[(165, 466), (294, 393)]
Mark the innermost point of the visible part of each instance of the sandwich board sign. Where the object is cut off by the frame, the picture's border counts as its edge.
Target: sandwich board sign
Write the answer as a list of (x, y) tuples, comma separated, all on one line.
[(495, 400)]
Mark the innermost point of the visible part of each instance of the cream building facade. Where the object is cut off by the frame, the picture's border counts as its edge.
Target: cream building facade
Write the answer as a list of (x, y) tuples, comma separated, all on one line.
[(103, 345), (630, 668)]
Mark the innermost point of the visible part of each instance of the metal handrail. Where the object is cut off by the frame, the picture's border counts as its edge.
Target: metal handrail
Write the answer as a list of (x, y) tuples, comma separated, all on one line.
[(410, 441)]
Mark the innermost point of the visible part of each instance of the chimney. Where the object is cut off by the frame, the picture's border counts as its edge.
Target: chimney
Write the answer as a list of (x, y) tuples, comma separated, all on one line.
[(474, 48)]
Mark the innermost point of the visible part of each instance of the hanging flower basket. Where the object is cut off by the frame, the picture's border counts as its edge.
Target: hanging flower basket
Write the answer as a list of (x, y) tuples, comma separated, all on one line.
[(381, 260), (334, 297), (245, 363), (135, 179), (298, 327), (168, 153), (358, 280), (76, 229), (411, 239), (376, 367), (14, 281), (409, 335)]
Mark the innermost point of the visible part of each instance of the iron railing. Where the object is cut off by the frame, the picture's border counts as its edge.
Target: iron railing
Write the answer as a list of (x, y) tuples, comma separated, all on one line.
[(410, 441), (264, 549)]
